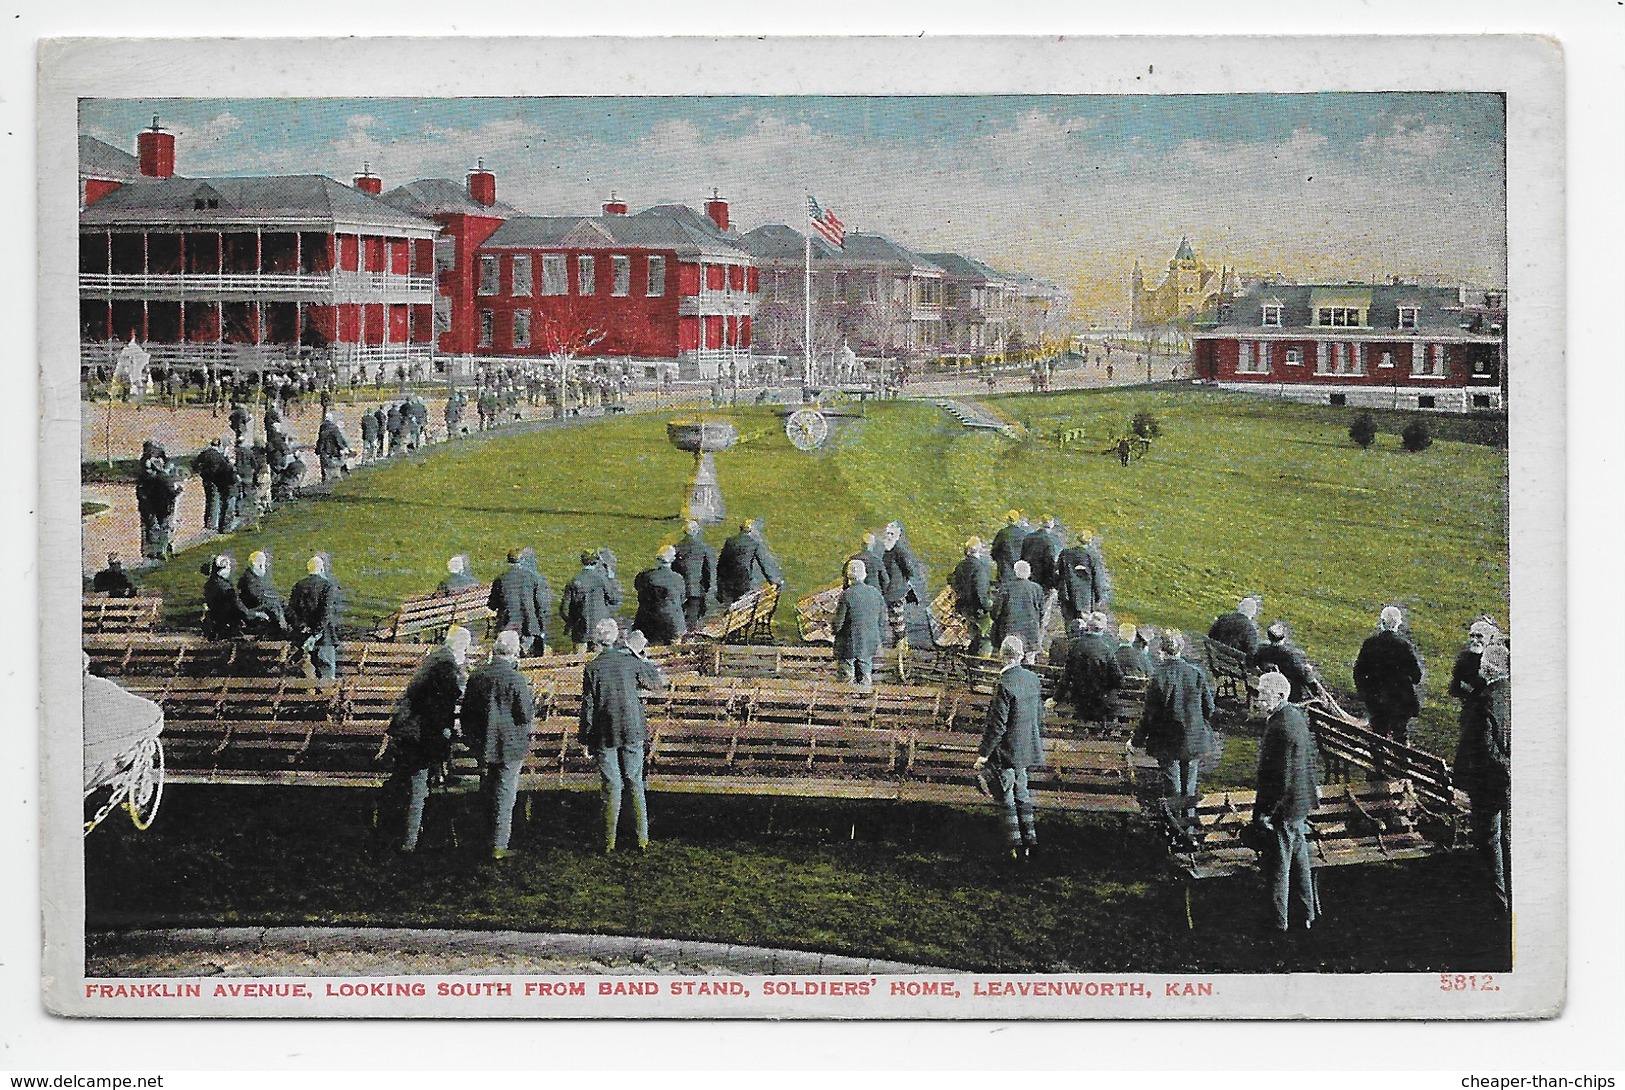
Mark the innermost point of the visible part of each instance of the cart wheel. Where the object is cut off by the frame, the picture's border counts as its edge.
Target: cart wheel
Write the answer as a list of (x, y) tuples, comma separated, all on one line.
[(146, 786)]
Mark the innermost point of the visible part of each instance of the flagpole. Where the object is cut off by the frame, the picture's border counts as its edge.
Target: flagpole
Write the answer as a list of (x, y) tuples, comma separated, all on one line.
[(806, 343)]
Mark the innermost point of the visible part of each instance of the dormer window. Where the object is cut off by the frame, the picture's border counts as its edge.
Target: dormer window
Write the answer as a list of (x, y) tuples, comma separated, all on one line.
[(1340, 317), (1271, 316), (1408, 317)]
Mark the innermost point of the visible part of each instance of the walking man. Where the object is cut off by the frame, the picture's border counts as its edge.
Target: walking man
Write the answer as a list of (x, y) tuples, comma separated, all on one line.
[(499, 719), (1288, 792), (1018, 610), (1387, 675), (1239, 627), (613, 727), (972, 580), (661, 593), (1484, 764), (521, 598), (696, 562), (1012, 742), (859, 627), (424, 723), (1008, 541), (745, 564), (331, 447), (590, 599), (1176, 728)]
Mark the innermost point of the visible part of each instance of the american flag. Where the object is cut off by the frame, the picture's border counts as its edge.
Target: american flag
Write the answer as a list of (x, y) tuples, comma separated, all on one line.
[(823, 220)]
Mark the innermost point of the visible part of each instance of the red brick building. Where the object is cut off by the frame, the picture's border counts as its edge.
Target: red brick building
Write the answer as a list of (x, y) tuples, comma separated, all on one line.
[(1395, 345)]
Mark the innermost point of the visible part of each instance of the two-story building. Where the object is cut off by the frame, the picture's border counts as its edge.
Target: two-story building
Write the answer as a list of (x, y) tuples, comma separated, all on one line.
[(979, 305), (1393, 345)]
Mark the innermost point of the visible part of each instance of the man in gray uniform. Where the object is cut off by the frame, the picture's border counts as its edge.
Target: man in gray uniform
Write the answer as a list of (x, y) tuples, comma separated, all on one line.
[(1081, 585), (870, 554), (331, 447), (1484, 763), (972, 580), (219, 478), (1018, 610), (613, 727), (696, 562), (499, 716), (588, 600), (1012, 743), (1239, 627), (745, 564), (1092, 676), (314, 608), (859, 627), (521, 598), (1176, 728), (660, 592), (1387, 674), (1040, 550), (1288, 792), (424, 725)]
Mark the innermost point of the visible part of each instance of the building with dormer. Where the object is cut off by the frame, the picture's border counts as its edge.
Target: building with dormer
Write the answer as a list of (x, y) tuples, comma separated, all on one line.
[(1394, 345), (1189, 289)]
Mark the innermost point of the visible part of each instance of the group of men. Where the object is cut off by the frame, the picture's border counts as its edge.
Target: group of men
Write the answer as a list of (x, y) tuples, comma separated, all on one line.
[(309, 618), (392, 428)]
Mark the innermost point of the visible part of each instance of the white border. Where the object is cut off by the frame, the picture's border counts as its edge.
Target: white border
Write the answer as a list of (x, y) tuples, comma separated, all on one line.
[(1549, 309)]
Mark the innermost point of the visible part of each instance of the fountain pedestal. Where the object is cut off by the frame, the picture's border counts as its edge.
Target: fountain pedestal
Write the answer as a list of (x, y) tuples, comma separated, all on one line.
[(703, 438)]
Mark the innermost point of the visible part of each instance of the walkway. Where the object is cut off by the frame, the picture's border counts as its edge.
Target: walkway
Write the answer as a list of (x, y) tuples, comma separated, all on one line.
[(974, 415), (390, 951)]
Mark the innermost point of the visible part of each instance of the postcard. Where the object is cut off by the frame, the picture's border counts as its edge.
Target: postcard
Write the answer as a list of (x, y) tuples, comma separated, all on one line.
[(999, 528)]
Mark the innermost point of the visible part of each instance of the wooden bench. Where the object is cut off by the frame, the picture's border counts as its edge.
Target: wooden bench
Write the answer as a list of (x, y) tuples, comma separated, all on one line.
[(104, 614), (949, 627), (426, 617), (1347, 745), (747, 660), (1232, 676), (153, 655), (748, 619), (815, 615)]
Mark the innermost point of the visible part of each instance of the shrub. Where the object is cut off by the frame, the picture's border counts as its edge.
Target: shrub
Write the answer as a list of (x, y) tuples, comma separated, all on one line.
[(1145, 426), (1416, 437), (1363, 431)]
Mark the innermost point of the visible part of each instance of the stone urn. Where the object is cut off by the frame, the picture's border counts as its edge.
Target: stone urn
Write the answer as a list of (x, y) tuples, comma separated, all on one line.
[(703, 438)]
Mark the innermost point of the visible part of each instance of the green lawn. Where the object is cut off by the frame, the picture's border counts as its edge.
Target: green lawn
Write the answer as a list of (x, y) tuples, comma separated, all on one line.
[(1239, 495)]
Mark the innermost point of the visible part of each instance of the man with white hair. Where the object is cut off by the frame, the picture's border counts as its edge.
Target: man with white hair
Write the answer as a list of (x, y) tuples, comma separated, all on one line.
[(260, 594), (499, 718), (1387, 675), (1278, 654), (1239, 627), (1288, 792), (613, 728), (1018, 610), (904, 578), (314, 608), (1012, 743), (424, 723), (457, 577), (1133, 650), (660, 592), (1483, 765), (1466, 680), (224, 614), (696, 562), (1176, 729), (859, 626)]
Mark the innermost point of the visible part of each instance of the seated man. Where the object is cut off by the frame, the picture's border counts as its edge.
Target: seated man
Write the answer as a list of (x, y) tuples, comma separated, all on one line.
[(1279, 655), (224, 614), (113, 580), (259, 594), (1239, 627), (457, 577)]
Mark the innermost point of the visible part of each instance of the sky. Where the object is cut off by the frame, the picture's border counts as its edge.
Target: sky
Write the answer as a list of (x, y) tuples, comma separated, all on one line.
[(1075, 189)]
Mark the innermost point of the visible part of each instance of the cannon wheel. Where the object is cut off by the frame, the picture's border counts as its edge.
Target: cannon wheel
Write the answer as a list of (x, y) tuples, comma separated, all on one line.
[(146, 788)]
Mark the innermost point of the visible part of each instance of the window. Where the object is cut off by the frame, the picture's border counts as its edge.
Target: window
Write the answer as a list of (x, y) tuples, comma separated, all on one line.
[(622, 267), (1386, 362), (521, 329), (1253, 359), (1340, 316), (522, 280), (657, 276), (488, 325), (554, 281), (1294, 357), (1337, 399), (490, 274), (1426, 401), (586, 275), (1428, 360), (1408, 316), (1272, 315), (1481, 401)]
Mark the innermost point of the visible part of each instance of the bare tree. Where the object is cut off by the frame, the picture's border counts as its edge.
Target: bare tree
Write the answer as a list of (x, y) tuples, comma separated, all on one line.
[(565, 335)]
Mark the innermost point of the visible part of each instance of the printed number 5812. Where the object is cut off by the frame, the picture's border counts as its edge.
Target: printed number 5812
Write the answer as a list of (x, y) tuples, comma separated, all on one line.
[(1468, 982)]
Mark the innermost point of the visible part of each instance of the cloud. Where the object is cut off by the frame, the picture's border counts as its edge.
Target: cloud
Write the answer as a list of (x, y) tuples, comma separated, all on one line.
[(216, 128)]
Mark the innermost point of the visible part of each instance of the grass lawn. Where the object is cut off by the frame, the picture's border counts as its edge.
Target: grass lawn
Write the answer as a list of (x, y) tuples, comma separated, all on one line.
[(915, 883), (1239, 495)]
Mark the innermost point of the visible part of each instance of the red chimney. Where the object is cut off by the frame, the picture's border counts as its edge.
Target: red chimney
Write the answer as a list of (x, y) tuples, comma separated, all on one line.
[(367, 182), (482, 185), (97, 188), (613, 207), (156, 150), (717, 209)]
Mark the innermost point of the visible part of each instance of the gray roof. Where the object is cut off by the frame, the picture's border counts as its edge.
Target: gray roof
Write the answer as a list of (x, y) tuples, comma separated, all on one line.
[(430, 197), (673, 227), (776, 242), (99, 159), (961, 267), (1438, 308), (281, 199)]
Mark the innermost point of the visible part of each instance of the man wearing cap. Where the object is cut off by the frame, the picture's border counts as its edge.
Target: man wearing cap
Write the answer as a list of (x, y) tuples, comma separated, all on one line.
[(499, 718), (314, 607), (1387, 675), (1080, 579), (1012, 742), (1018, 610), (588, 600), (1133, 647), (745, 564), (1040, 549), (259, 593), (1278, 654), (660, 592), (424, 724), (1092, 676), (457, 578), (1007, 543), (1239, 627), (1176, 727), (613, 728), (972, 580), (1483, 765), (224, 613), (859, 627), (331, 446), (113, 580), (521, 598), (1288, 792), (696, 562)]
